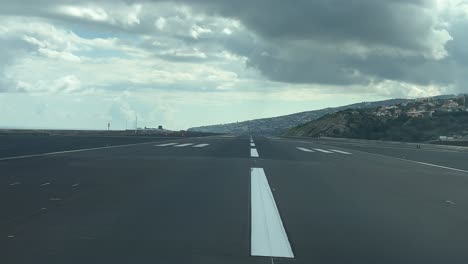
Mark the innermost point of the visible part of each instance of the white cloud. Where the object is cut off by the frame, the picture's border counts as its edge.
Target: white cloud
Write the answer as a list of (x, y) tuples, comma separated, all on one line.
[(108, 13), (169, 63), (93, 13)]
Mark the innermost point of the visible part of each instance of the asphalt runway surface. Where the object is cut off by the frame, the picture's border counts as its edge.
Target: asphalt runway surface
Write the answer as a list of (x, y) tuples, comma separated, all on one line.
[(216, 200)]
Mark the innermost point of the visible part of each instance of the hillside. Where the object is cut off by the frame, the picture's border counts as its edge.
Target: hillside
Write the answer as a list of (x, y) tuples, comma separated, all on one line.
[(417, 121), (280, 124)]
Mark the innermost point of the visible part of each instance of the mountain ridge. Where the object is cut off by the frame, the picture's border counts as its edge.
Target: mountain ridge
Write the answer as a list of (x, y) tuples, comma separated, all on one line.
[(280, 124)]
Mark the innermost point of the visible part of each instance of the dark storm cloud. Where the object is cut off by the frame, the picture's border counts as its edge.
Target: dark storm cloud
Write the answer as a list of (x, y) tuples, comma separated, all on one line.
[(387, 22), (340, 41), (402, 39)]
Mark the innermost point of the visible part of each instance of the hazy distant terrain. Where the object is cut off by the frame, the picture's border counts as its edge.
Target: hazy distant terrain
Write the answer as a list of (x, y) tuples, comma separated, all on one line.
[(279, 125)]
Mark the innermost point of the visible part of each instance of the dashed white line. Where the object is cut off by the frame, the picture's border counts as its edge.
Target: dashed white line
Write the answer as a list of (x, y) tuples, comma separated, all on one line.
[(75, 185), (305, 149), (183, 145), (200, 145), (11, 236), (252, 144), (167, 144), (45, 184), (15, 183), (322, 150), (55, 199), (254, 153), (268, 237), (339, 151)]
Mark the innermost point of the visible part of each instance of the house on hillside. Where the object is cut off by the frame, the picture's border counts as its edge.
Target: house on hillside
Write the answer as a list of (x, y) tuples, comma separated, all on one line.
[(419, 113), (450, 105)]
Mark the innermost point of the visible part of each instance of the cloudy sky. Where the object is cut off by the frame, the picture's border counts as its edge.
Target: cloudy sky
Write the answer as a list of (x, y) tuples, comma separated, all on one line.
[(81, 64)]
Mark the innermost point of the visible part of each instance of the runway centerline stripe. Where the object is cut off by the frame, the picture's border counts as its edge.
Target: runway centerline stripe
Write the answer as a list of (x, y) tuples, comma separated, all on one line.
[(44, 184), (322, 150), (252, 144), (183, 145), (339, 151), (167, 144), (200, 145), (305, 149), (268, 236), (254, 153)]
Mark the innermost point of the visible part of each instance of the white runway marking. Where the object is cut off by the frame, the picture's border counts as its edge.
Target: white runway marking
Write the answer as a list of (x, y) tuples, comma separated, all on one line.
[(437, 166), (73, 151), (167, 144), (414, 161), (305, 149), (268, 236), (183, 145), (322, 150), (254, 153), (75, 185), (44, 184), (252, 144), (15, 183), (339, 151), (200, 145)]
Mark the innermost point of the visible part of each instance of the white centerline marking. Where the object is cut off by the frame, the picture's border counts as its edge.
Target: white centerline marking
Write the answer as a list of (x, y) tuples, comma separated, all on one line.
[(200, 145), (167, 144), (44, 184), (15, 183), (305, 149), (268, 236), (183, 145), (252, 144), (322, 150), (75, 185), (254, 153), (339, 151)]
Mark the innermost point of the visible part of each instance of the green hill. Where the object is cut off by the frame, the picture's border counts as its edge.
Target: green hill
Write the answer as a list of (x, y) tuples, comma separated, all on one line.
[(365, 124)]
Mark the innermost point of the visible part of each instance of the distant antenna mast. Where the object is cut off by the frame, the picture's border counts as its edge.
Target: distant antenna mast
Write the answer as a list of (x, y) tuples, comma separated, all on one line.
[(108, 126), (136, 124)]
